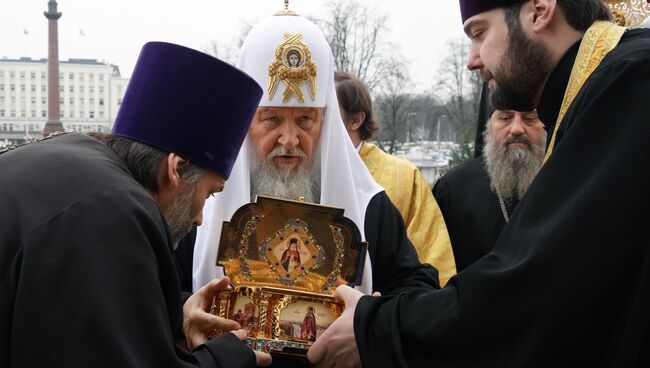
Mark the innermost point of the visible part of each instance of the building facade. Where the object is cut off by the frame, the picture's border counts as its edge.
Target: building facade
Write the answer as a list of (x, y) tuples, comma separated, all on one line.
[(90, 95)]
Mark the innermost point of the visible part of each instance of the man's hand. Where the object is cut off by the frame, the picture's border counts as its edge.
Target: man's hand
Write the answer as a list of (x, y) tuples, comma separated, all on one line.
[(262, 359), (198, 323), (337, 345)]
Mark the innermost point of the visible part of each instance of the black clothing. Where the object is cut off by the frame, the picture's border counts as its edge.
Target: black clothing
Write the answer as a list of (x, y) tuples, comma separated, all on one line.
[(184, 255), (471, 210), (551, 99), (395, 263), (485, 109), (568, 281), (87, 275)]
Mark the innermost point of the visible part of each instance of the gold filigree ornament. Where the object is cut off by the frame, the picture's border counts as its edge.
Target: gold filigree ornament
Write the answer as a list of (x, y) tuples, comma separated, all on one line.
[(293, 66), (629, 13)]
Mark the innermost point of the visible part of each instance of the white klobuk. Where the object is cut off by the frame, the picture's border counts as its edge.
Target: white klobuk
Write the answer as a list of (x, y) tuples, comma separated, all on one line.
[(269, 55)]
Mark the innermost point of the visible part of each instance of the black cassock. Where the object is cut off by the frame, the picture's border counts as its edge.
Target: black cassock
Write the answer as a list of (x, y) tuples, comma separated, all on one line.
[(471, 210), (87, 277), (568, 281)]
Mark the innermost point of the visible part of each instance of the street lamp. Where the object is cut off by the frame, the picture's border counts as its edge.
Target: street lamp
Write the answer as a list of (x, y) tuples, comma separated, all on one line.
[(408, 126), (440, 119)]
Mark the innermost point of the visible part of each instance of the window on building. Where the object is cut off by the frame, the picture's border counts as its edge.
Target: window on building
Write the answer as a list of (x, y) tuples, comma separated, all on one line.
[(81, 76), (72, 114), (2, 73), (43, 88), (91, 89), (22, 75), (2, 87), (61, 101), (2, 113), (5, 127), (101, 114), (32, 75), (101, 90), (12, 87), (13, 113), (81, 89), (71, 89), (101, 102), (33, 99), (43, 100), (43, 113), (43, 75), (119, 101), (22, 113), (101, 77), (91, 114), (33, 113), (22, 88), (12, 74), (60, 75), (33, 88), (71, 76), (71, 101)]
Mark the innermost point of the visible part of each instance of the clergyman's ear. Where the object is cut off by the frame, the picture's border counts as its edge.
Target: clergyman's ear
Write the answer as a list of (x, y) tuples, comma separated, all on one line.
[(174, 163), (543, 13)]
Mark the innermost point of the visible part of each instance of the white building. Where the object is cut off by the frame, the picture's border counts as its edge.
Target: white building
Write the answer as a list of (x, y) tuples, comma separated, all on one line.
[(90, 95)]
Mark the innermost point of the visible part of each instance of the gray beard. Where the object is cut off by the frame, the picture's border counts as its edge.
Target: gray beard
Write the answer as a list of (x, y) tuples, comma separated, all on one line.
[(178, 217), (285, 182), (511, 170)]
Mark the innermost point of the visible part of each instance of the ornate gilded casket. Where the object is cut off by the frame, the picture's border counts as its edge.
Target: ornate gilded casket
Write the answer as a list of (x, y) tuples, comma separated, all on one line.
[(284, 259)]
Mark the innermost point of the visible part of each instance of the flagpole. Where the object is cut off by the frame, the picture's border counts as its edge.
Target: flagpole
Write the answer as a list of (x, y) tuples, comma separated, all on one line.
[(82, 36), (25, 36)]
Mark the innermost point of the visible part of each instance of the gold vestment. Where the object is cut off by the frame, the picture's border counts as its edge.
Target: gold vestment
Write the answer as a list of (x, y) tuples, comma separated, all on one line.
[(412, 196)]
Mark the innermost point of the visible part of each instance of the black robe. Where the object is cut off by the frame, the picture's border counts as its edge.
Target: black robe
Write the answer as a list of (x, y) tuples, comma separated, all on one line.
[(87, 276), (568, 281), (471, 210)]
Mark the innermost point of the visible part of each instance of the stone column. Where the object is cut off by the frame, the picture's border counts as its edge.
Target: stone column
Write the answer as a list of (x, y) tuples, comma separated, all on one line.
[(53, 123)]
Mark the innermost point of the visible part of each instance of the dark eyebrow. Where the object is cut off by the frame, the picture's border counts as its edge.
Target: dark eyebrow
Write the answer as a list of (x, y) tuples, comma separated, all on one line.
[(472, 23)]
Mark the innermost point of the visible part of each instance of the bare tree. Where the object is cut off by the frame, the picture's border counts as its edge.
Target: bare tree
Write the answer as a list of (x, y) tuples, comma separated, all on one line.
[(229, 50), (394, 105), (460, 88), (356, 32)]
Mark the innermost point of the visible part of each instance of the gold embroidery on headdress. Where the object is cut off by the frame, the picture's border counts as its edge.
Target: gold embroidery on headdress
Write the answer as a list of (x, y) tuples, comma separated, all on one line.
[(293, 66)]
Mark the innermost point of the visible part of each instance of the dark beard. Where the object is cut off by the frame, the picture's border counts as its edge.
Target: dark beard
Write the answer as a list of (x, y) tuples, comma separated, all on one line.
[(521, 72)]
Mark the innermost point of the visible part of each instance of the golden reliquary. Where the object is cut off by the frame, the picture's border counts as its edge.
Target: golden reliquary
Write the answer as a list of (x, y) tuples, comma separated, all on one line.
[(284, 259)]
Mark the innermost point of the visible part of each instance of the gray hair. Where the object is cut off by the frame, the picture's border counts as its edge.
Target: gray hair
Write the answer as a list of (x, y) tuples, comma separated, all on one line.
[(144, 161)]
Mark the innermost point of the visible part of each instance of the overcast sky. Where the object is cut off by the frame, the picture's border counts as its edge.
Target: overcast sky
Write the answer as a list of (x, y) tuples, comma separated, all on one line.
[(115, 30)]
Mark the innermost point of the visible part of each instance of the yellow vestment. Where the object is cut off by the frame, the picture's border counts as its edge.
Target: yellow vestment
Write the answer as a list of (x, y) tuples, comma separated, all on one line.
[(410, 193)]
